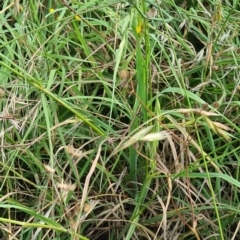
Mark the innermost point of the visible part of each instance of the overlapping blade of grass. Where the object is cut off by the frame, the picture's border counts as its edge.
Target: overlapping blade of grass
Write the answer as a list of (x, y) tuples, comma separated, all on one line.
[(180, 72)]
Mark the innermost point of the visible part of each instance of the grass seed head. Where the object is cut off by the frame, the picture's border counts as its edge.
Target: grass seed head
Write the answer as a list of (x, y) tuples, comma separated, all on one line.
[(49, 169), (2, 93)]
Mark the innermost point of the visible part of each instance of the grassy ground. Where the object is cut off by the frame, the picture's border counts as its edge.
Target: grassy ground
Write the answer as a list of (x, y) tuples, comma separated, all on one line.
[(119, 120)]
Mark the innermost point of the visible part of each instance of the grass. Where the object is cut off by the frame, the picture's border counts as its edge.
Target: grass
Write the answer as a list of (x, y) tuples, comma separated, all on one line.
[(119, 120)]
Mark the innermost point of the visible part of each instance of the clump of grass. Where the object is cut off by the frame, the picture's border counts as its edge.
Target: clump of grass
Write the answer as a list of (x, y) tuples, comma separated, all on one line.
[(119, 120)]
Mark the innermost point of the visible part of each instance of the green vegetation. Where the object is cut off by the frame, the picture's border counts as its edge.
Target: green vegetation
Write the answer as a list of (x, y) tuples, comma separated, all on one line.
[(119, 120)]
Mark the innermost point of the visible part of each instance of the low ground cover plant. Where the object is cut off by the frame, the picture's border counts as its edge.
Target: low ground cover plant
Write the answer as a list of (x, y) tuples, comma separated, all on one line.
[(119, 119)]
